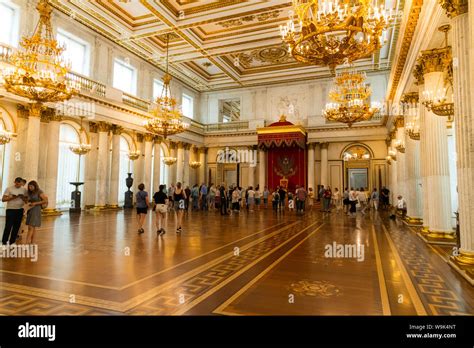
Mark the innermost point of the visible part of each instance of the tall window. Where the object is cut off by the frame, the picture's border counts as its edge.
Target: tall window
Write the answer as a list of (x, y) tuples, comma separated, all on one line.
[(9, 25), (68, 165), (163, 169), (124, 168), (188, 106), (125, 77), (77, 52), (157, 88)]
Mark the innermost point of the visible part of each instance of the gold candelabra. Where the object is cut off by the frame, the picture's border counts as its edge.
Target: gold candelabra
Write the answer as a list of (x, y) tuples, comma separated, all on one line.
[(334, 32), (169, 161), (166, 118), (39, 73), (194, 164), (350, 99)]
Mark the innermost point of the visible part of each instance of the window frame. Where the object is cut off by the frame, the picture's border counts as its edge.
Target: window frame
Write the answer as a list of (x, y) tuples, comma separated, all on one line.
[(15, 30), (134, 70), (191, 99), (87, 50)]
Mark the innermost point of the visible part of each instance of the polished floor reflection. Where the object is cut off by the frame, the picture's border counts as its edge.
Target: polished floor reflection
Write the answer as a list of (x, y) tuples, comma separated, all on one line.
[(257, 263)]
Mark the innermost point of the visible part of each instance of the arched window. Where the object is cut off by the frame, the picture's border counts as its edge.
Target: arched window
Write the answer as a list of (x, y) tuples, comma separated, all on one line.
[(163, 169), (68, 165), (125, 167)]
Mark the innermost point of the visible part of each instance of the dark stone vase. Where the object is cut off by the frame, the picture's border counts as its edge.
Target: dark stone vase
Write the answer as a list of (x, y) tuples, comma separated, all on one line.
[(129, 194)]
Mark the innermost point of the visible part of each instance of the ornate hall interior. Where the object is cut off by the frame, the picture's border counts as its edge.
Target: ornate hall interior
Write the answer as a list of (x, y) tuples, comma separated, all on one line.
[(317, 157)]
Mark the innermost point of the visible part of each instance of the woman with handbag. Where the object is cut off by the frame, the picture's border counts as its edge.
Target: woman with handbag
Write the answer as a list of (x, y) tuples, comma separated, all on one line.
[(161, 208), (36, 201)]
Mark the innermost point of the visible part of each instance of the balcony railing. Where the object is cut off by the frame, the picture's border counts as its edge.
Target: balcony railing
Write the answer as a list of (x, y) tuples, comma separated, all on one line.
[(85, 84), (228, 126), (5, 53), (139, 103)]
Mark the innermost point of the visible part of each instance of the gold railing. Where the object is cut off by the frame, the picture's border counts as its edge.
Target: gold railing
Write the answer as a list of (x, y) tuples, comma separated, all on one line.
[(227, 126), (85, 84), (139, 103), (5, 53)]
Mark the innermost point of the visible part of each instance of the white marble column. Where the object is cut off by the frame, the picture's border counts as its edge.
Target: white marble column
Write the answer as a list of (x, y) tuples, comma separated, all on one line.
[(202, 168), (32, 141), (311, 181), (324, 164), (437, 169), (172, 168), (413, 167), (393, 176), (115, 170), (102, 159), (401, 160), (180, 163), (90, 171), (463, 51), (51, 177), (148, 139), (157, 165), (262, 169), (186, 167)]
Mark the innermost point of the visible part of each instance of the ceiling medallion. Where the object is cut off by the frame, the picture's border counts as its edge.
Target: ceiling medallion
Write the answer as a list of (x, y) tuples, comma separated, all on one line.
[(247, 19), (166, 118), (350, 99), (334, 32), (39, 72), (269, 55)]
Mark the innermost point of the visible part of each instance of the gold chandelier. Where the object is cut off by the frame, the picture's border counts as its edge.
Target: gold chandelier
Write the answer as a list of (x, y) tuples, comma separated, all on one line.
[(166, 119), (350, 99), (81, 148), (333, 32), (39, 72)]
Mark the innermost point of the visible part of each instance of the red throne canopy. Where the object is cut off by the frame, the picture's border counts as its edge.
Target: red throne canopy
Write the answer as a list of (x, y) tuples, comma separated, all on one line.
[(285, 143)]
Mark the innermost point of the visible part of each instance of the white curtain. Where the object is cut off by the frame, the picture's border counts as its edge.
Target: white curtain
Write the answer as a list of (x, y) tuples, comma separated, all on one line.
[(68, 164), (124, 167)]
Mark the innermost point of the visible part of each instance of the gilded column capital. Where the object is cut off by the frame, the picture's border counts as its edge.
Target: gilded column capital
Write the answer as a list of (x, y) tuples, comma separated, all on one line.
[(93, 127), (436, 60), (148, 137), (22, 111), (140, 138), (399, 122), (173, 145), (324, 145), (116, 129), (252, 147), (195, 149), (157, 139), (203, 150), (47, 115), (103, 127), (454, 8), (410, 98), (418, 74), (181, 145), (187, 146), (311, 146)]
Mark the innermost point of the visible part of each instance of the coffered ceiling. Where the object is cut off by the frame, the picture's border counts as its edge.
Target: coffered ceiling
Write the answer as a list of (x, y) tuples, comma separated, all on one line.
[(213, 44)]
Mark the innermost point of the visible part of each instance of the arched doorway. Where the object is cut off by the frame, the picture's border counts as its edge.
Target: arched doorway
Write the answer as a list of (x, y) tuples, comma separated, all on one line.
[(357, 164), (68, 165)]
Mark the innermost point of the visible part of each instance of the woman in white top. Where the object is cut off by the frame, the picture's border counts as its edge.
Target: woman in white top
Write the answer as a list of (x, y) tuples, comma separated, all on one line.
[(251, 195), (336, 199), (362, 197)]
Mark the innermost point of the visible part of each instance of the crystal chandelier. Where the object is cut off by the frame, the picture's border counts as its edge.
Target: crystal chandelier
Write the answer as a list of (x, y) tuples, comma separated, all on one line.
[(166, 118), (194, 164), (39, 72), (82, 148), (350, 99), (169, 161), (440, 100), (333, 32)]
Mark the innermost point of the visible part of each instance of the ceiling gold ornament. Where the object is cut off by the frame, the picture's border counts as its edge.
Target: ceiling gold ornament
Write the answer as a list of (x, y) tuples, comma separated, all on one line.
[(166, 118), (39, 72), (261, 17), (410, 27), (454, 8), (334, 32), (268, 55), (349, 99)]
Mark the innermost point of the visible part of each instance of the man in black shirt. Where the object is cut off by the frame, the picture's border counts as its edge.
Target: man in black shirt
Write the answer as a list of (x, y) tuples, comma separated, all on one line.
[(223, 200), (282, 194)]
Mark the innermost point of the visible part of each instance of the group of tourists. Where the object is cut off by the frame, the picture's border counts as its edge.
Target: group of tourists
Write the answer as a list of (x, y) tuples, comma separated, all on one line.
[(23, 205)]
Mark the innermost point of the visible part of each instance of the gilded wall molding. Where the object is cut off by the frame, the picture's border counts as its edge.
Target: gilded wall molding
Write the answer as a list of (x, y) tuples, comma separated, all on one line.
[(454, 8)]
